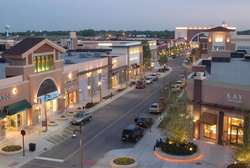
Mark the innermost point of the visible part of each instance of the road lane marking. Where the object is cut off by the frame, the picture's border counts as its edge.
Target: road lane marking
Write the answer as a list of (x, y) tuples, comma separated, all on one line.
[(56, 138), (53, 141), (49, 159), (113, 123), (43, 165)]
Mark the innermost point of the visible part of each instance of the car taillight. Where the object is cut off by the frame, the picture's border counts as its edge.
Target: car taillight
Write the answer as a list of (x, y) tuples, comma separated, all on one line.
[(136, 122), (122, 134), (133, 135), (144, 123)]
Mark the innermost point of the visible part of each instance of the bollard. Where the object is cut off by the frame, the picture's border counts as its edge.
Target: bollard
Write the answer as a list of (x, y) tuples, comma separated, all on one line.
[(39, 131)]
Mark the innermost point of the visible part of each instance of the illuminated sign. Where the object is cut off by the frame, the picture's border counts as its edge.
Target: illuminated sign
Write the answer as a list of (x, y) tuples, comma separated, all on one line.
[(70, 80), (236, 98), (6, 97)]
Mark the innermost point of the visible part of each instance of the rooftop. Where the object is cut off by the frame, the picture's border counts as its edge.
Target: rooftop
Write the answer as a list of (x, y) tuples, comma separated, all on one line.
[(236, 71)]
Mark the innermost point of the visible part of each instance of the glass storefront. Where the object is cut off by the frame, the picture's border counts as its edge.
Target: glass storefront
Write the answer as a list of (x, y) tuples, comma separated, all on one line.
[(13, 122), (235, 130), (210, 131), (70, 98)]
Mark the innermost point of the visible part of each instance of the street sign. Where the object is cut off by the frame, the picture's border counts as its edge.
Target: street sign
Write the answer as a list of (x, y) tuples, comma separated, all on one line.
[(23, 132)]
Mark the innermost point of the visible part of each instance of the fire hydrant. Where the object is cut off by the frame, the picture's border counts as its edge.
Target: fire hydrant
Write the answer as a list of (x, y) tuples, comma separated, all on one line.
[(39, 131)]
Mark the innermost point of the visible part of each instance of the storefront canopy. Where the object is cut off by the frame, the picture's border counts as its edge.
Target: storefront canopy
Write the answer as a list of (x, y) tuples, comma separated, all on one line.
[(72, 88), (208, 118), (2, 115), (18, 107)]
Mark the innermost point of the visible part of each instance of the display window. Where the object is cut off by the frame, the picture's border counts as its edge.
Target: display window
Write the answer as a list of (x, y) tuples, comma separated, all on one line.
[(16, 121), (235, 130), (210, 131)]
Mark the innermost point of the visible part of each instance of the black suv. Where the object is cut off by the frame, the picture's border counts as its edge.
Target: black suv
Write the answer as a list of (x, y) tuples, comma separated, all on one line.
[(144, 121), (132, 132)]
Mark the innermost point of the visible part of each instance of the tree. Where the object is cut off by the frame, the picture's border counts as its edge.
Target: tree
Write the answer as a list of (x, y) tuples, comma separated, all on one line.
[(178, 122), (146, 54), (94, 86), (163, 59), (241, 153)]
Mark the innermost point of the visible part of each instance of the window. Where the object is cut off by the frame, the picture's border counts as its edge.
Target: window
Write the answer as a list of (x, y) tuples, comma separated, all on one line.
[(210, 131), (43, 63), (204, 46), (244, 48), (218, 48)]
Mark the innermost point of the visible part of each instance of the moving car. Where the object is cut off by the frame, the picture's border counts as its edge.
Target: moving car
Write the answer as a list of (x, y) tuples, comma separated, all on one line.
[(154, 76), (132, 132), (140, 84), (180, 83), (175, 88), (81, 117), (155, 108), (149, 80), (144, 121)]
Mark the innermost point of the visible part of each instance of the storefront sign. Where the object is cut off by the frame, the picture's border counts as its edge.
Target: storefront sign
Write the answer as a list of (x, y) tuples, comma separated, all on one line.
[(70, 80), (6, 97), (236, 98)]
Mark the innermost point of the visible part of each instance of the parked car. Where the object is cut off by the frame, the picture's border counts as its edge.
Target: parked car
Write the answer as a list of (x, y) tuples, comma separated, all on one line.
[(162, 100), (174, 56), (175, 88), (81, 117), (149, 80), (185, 60), (132, 132), (154, 76), (144, 121), (180, 83), (141, 84), (156, 108), (166, 86)]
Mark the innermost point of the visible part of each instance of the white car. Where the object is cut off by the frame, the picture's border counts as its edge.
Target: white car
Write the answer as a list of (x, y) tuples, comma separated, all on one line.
[(149, 80), (155, 108), (175, 88), (185, 60), (180, 83), (154, 76)]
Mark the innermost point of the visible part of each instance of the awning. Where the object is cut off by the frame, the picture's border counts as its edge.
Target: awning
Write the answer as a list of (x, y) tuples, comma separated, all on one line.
[(2, 115), (72, 88), (18, 107), (208, 118)]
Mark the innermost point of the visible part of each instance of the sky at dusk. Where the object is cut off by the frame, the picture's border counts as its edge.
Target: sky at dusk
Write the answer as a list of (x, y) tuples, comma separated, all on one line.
[(52, 15)]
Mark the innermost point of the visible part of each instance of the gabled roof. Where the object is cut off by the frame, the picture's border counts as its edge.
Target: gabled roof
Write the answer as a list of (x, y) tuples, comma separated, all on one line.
[(23, 46), (219, 28), (28, 45)]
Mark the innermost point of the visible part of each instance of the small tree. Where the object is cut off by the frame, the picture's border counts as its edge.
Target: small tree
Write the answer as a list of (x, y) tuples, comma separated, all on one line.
[(94, 86), (178, 122), (146, 54)]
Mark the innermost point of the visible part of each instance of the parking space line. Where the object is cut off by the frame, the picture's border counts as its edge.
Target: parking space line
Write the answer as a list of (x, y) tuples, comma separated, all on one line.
[(59, 135), (66, 134), (56, 138), (67, 130), (49, 139)]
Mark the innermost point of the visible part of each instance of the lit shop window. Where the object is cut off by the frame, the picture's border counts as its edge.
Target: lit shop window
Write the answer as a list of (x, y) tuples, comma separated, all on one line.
[(43, 63), (134, 50), (218, 48), (210, 131)]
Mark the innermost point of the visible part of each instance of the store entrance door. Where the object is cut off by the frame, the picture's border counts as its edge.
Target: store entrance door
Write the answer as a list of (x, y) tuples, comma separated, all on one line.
[(236, 135)]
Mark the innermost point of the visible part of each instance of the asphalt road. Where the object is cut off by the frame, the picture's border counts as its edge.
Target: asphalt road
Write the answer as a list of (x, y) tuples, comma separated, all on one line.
[(103, 133)]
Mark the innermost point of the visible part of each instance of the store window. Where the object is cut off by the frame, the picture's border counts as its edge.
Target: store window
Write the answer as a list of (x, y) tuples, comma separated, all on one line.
[(74, 97), (210, 131), (218, 48), (43, 63), (16, 121), (235, 130)]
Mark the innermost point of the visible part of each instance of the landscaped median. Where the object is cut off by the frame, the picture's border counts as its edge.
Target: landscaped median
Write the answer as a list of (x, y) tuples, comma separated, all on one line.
[(178, 158), (11, 150)]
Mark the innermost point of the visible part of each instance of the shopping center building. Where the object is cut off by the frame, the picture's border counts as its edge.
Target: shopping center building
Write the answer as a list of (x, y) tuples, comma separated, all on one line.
[(219, 86), (40, 79)]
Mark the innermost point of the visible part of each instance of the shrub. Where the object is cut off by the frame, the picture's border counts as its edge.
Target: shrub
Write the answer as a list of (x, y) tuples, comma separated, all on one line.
[(124, 161), (238, 165), (63, 116), (132, 83), (79, 108), (120, 90), (71, 112), (11, 148), (185, 148), (90, 104), (106, 97), (52, 122)]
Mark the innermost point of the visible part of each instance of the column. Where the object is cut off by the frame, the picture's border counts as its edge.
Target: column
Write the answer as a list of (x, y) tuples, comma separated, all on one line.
[(220, 127)]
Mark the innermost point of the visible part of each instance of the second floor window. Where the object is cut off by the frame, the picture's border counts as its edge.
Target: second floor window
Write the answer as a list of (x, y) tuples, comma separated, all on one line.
[(43, 63)]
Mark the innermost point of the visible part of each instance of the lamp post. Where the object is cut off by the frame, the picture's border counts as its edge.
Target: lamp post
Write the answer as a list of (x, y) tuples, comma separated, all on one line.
[(100, 84), (74, 135), (46, 120)]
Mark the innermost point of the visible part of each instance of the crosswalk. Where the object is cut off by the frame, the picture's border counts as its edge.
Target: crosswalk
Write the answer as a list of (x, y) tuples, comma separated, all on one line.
[(62, 135)]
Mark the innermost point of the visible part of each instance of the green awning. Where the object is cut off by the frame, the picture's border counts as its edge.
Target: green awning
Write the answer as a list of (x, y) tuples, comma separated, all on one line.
[(2, 115), (18, 107)]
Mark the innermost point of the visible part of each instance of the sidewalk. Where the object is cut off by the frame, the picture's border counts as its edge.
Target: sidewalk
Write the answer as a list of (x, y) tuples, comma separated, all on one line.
[(32, 134)]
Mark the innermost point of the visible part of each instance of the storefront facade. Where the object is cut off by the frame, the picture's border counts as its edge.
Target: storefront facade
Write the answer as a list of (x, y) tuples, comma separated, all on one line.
[(217, 117)]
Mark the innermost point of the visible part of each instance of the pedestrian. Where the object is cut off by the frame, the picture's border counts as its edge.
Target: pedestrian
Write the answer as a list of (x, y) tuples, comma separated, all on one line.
[(111, 95), (161, 141)]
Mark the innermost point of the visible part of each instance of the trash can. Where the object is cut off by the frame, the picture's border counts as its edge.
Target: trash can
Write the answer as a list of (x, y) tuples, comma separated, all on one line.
[(32, 147)]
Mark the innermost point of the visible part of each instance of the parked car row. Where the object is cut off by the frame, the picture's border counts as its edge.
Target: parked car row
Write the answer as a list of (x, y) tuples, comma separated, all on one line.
[(148, 80)]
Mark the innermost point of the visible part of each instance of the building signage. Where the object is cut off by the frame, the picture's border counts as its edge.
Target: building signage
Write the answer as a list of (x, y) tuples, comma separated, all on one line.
[(6, 97), (70, 80), (236, 98)]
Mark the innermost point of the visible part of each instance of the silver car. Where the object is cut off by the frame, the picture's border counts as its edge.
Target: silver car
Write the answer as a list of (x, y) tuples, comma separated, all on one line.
[(149, 80), (154, 76), (81, 117)]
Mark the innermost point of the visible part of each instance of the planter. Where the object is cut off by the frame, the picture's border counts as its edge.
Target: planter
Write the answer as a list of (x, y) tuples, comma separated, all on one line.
[(70, 114), (78, 110), (11, 152), (114, 165), (52, 124), (62, 118)]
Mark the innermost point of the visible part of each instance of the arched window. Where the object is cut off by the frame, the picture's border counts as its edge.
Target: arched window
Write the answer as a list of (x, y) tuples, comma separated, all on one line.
[(46, 87)]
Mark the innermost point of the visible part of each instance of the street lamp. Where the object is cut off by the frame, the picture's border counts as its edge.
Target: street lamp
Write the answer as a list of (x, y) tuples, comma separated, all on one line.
[(74, 135), (89, 88), (100, 87)]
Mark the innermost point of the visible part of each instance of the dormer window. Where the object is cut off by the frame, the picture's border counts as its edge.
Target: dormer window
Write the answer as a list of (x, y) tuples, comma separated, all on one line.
[(43, 63)]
